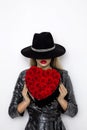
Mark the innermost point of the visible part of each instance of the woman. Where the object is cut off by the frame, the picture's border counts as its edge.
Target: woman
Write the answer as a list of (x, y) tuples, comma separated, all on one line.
[(44, 108)]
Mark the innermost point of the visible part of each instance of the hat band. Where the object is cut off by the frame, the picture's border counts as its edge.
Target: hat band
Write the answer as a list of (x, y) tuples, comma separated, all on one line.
[(43, 50)]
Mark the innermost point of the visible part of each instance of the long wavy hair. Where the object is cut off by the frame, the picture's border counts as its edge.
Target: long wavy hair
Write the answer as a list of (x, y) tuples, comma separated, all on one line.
[(55, 63)]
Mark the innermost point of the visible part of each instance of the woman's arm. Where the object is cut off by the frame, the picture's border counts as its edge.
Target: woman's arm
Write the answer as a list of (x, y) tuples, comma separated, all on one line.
[(68, 103), (17, 97)]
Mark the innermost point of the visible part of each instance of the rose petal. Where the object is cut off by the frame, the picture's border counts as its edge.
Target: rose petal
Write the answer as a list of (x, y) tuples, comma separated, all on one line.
[(41, 83)]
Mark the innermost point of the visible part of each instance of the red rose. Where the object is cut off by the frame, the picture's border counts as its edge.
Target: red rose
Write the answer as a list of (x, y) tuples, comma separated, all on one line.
[(41, 83)]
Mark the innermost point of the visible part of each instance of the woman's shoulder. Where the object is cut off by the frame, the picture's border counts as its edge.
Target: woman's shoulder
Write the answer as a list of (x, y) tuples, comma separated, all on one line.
[(62, 71), (22, 73)]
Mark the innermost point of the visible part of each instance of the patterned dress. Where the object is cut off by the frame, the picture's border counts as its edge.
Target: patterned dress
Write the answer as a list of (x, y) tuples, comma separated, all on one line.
[(44, 115)]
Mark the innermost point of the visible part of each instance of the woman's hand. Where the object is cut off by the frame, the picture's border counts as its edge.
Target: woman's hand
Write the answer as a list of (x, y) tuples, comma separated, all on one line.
[(25, 103), (60, 98), (63, 91), (25, 94)]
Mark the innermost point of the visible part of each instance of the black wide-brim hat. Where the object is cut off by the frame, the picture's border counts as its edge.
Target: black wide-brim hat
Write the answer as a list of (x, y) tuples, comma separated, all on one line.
[(43, 47)]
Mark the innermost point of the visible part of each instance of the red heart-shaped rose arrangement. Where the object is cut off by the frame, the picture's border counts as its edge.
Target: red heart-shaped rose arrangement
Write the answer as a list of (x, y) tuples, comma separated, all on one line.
[(41, 83)]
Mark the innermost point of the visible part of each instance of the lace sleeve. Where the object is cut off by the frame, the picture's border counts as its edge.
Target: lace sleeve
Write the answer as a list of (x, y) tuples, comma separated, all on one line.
[(17, 97), (72, 108)]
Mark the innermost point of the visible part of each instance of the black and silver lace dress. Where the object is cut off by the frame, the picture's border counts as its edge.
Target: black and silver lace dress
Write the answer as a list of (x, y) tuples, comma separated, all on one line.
[(44, 115)]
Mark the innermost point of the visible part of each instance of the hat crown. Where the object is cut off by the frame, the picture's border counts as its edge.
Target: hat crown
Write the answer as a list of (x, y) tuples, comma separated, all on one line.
[(43, 40)]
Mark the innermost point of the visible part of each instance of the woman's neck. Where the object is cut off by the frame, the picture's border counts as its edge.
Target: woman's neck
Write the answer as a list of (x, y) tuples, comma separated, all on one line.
[(45, 67)]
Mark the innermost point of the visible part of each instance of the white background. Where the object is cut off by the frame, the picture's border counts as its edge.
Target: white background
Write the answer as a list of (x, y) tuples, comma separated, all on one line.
[(67, 21)]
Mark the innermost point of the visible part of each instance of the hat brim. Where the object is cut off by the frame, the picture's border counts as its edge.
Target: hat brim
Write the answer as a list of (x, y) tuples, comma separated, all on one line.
[(29, 53)]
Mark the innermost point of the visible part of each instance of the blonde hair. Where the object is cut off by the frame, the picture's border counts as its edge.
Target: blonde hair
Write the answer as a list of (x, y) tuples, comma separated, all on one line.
[(54, 63)]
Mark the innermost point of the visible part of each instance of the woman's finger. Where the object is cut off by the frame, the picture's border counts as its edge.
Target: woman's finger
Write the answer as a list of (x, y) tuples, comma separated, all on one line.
[(63, 89), (60, 90), (24, 85), (25, 90)]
